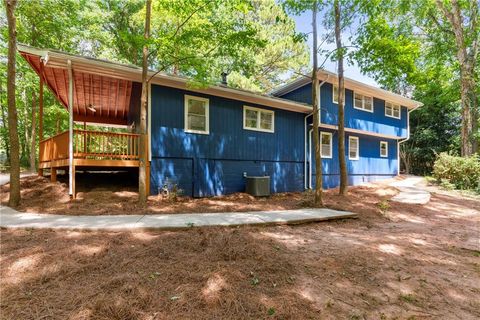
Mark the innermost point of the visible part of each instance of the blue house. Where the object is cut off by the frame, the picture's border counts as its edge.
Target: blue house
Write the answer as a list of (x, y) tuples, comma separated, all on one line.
[(206, 141)]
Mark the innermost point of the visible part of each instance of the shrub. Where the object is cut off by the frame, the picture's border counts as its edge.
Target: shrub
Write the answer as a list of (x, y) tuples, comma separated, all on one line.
[(461, 172)]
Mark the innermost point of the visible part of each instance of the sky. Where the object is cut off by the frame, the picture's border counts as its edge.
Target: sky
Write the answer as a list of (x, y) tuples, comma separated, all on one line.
[(303, 24)]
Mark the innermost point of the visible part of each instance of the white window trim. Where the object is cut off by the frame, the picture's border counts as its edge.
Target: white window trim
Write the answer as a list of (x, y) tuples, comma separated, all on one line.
[(399, 110), (207, 114), (331, 144), (363, 102), (358, 148), (386, 143), (259, 110), (334, 96)]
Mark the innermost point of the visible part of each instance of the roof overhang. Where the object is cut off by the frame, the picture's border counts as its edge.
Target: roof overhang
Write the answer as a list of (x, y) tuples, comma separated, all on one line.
[(351, 84), (55, 59)]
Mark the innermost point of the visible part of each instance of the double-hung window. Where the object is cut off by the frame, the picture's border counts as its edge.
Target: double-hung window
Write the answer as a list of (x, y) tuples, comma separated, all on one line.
[(353, 148), (392, 110), (196, 115), (335, 94), (258, 119), (383, 149), (362, 102), (326, 144)]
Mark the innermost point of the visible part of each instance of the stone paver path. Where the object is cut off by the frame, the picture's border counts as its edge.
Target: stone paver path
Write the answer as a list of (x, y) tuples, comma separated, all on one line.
[(411, 191), (11, 218)]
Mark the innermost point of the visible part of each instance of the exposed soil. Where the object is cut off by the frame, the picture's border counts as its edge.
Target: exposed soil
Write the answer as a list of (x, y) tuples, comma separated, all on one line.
[(409, 262), (117, 194)]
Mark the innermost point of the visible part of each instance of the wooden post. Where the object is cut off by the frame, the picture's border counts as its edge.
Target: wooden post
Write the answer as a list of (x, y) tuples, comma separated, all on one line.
[(53, 174), (71, 169), (73, 182), (147, 171), (40, 119), (85, 138)]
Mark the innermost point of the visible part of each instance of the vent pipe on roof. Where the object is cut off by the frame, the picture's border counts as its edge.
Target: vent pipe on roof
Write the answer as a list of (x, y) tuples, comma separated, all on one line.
[(224, 78)]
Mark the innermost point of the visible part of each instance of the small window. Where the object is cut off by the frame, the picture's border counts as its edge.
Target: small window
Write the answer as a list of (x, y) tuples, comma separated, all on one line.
[(383, 149), (353, 148), (326, 144), (392, 110), (335, 94), (258, 119), (196, 115), (362, 102)]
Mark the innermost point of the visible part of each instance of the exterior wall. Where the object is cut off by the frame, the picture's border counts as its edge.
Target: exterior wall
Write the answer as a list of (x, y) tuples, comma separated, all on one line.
[(134, 108), (376, 122), (214, 163), (369, 167)]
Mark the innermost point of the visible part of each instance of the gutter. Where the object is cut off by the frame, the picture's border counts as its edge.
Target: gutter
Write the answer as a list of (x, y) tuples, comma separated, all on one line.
[(408, 135), (305, 137)]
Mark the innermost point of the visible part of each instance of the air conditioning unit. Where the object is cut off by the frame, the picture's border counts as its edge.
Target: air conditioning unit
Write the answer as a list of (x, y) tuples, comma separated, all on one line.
[(258, 186)]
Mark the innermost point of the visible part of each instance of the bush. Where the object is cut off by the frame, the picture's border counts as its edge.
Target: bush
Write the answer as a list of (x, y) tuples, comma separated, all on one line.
[(461, 172)]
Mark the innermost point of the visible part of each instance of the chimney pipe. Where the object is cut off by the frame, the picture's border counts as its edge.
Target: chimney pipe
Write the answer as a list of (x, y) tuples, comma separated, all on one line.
[(224, 78)]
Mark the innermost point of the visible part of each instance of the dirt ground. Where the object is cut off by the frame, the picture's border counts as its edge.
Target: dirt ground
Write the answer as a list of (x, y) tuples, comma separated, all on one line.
[(117, 194), (404, 262)]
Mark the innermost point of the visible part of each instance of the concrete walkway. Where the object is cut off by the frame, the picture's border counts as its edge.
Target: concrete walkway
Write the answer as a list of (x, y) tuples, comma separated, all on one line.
[(411, 191), (10, 218)]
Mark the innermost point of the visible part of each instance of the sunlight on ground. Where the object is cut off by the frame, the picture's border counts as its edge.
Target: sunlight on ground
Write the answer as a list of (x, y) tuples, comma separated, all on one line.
[(22, 265), (214, 285), (286, 239), (125, 194), (144, 236), (419, 242), (390, 248), (409, 218), (88, 250), (455, 295)]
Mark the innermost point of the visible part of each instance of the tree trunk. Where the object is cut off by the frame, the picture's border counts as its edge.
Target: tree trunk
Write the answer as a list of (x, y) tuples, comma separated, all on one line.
[(5, 129), (142, 170), (341, 102), (33, 134), (14, 199), (467, 61), (25, 142), (316, 114)]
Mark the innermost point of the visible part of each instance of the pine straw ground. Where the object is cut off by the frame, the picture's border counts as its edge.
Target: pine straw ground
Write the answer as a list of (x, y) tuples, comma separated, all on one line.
[(109, 194), (409, 262)]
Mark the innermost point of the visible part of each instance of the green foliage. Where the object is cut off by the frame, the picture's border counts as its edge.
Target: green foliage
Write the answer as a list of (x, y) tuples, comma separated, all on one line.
[(384, 206), (461, 172), (251, 40)]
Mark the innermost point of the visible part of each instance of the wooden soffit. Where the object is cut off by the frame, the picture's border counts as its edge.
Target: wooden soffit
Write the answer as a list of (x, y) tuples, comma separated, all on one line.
[(97, 98)]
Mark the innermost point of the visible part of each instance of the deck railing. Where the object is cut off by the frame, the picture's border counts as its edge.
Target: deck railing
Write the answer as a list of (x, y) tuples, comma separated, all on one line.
[(54, 148), (91, 145)]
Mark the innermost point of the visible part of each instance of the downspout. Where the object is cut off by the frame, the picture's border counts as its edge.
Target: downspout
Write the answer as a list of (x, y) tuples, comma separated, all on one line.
[(310, 144), (407, 138)]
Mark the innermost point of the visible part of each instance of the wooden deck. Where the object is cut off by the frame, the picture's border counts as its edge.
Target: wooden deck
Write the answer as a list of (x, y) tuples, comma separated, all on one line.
[(91, 149)]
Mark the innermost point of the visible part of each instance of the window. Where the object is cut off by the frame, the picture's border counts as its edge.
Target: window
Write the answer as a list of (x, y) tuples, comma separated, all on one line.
[(335, 94), (362, 102), (392, 110), (258, 119), (353, 147), (326, 144), (196, 115), (383, 149)]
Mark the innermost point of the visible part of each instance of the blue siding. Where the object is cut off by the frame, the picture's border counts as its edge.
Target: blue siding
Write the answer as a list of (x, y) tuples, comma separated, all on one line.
[(302, 94), (205, 165), (369, 167), (375, 122)]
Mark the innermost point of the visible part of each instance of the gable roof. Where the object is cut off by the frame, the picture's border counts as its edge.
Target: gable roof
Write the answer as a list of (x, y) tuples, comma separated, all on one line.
[(351, 84), (104, 68)]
